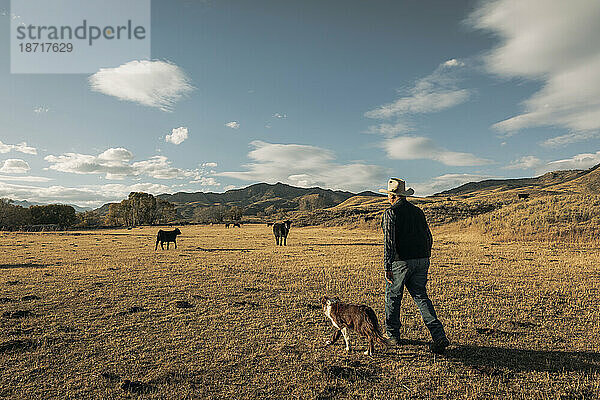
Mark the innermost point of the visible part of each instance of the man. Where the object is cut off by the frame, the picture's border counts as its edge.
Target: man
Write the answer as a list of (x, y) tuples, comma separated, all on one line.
[(407, 241)]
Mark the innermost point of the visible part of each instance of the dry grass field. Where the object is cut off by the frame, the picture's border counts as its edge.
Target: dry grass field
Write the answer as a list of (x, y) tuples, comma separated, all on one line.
[(229, 315)]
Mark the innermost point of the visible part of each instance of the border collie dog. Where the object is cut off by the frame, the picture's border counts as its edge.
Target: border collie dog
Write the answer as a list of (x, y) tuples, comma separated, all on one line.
[(359, 318)]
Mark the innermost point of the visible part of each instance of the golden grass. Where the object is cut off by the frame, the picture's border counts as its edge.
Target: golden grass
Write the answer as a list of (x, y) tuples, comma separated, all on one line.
[(523, 317), (569, 218)]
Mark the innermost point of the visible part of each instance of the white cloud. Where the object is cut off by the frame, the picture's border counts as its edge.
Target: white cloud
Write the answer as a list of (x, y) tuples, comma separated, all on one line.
[(21, 147), (159, 167), (573, 137), (418, 147), (177, 136), (433, 93), (454, 63), (93, 195), (22, 178), (279, 115), (157, 84), (118, 154), (303, 165), (389, 130), (41, 109), (15, 166), (116, 164), (209, 164), (206, 181), (579, 161), (526, 162), (445, 182), (551, 41), (233, 125)]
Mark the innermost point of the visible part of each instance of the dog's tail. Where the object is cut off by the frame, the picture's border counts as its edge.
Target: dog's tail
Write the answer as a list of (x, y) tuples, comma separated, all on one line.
[(373, 327)]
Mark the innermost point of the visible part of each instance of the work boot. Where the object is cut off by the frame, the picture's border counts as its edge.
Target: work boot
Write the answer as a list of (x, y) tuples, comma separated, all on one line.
[(439, 346)]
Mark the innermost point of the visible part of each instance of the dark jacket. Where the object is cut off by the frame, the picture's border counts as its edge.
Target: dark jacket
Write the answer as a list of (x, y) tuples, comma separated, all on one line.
[(405, 233)]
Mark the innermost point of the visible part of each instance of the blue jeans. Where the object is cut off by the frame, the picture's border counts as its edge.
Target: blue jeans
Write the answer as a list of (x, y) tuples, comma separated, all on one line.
[(413, 275)]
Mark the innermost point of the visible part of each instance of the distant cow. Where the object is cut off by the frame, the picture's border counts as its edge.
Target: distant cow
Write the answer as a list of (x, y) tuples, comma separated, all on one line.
[(167, 236), (269, 224), (281, 230), (237, 224), (227, 225), (523, 195)]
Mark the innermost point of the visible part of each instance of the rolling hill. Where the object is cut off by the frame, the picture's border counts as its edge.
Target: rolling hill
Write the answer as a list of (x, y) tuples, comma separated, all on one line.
[(260, 198), (549, 181)]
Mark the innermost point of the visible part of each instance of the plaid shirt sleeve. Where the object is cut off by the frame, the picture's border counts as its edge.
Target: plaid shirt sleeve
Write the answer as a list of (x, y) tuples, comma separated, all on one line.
[(389, 238)]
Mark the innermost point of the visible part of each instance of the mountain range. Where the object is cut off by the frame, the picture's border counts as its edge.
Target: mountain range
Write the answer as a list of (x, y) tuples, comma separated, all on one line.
[(557, 182), (265, 199), (261, 198)]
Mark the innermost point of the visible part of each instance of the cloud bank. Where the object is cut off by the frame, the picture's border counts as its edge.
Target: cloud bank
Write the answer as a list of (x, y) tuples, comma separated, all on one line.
[(305, 166), (417, 147), (92, 195), (116, 163)]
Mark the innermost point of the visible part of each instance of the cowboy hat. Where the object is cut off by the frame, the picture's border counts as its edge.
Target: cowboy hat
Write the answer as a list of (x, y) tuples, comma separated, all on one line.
[(398, 187)]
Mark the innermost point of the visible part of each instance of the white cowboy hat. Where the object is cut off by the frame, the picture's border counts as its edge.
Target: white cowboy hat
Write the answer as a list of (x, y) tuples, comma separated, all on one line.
[(398, 187)]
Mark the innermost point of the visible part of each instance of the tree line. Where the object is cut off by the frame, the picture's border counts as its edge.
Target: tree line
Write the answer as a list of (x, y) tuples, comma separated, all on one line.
[(218, 214), (13, 216), (138, 209)]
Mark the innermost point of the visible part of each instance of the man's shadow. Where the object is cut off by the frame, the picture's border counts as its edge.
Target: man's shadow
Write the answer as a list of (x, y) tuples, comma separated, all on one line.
[(491, 360)]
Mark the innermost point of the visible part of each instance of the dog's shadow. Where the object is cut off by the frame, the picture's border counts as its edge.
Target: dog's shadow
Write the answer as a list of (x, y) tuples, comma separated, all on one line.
[(490, 359)]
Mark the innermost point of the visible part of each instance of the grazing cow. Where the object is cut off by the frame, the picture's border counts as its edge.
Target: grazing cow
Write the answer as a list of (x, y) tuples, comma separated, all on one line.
[(237, 224), (281, 230), (269, 224), (523, 195), (167, 236), (227, 225)]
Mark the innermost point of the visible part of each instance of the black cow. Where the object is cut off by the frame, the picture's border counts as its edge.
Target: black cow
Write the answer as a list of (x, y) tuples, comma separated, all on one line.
[(281, 230), (167, 236), (523, 195), (269, 224), (237, 224)]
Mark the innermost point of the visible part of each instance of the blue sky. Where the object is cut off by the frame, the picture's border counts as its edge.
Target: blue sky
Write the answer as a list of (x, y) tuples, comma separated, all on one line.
[(337, 94)]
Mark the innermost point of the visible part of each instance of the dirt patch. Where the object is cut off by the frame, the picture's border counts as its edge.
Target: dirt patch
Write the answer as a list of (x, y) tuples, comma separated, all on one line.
[(18, 345), (137, 387), (183, 304), (132, 310), (18, 314), (22, 265), (244, 303)]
